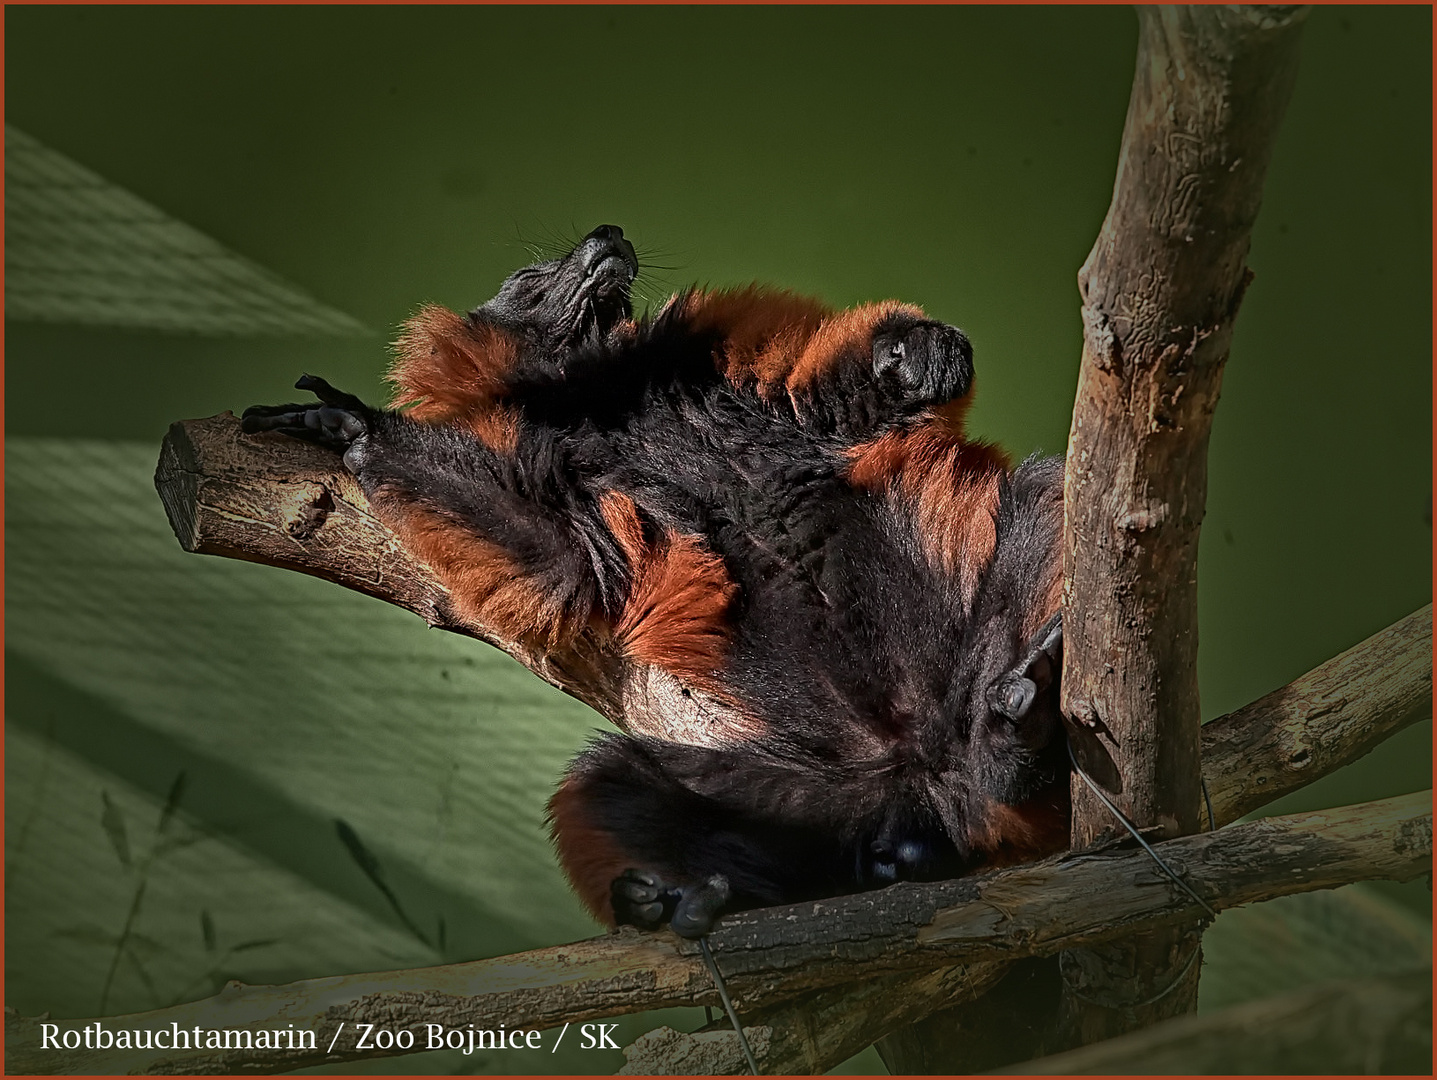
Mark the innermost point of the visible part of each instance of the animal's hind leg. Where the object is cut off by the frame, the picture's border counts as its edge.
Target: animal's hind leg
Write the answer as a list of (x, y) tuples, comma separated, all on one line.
[(651, 832), (522, 549)]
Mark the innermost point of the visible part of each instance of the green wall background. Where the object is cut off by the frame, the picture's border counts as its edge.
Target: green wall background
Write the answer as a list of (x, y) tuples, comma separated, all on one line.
[(960, 158)]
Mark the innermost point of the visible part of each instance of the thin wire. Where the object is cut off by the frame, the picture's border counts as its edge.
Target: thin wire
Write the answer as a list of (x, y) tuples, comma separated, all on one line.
[(727, 1004), (1176, 982), (1211, 820), (1136, 835)]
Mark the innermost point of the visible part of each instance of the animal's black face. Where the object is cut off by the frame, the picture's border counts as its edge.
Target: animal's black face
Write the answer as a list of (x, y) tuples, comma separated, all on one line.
[(571, 301)]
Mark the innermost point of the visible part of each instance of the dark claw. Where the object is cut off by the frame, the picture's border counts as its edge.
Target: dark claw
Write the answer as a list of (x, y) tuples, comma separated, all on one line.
[(644, 899), (651, 914), (328, 394), (1014, 696), (639, 888), (640, 898)]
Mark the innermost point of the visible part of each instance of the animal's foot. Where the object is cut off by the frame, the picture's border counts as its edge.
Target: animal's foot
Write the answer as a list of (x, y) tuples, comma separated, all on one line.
[(891, 860), (1013, 693), (644, 899), (339, 422)]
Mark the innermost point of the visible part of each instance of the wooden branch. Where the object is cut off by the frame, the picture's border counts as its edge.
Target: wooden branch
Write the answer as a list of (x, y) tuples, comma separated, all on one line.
[(282, 502), (1316, 724), (1328, 718), (906, 1000), (1161, 290), (779, 953), (285, 503), (275, 500), (1354, 1027), (814, 1033)]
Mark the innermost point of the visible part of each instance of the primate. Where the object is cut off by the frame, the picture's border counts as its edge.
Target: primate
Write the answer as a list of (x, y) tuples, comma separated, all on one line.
[(774, 503)]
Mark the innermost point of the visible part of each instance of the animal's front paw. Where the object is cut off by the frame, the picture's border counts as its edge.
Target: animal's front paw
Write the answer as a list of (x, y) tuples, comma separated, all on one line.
[(928, 362), (339, 422), (644, 899)]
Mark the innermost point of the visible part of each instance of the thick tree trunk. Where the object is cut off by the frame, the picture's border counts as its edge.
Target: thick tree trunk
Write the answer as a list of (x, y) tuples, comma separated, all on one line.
[(1160, 292)]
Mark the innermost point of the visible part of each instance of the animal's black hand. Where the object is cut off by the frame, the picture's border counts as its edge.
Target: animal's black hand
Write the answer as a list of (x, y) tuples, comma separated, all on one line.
[(930, 362), (642, 898), (1013, 693), (339, 422)]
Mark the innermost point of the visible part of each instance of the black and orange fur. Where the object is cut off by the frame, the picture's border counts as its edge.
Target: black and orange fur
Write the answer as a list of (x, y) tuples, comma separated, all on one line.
[(774, 503)]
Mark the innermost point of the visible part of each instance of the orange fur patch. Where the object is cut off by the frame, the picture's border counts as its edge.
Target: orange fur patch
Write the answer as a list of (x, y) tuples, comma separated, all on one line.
[(952, 487), (676, 614), (764, 331), (846, 337), (783, 342), (487, 587), (1015, 834), (450, 370), (590, 857)]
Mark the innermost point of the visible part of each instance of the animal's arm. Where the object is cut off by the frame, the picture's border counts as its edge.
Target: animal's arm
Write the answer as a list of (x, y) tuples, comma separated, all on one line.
[(849, 374), (852, 373), (521, 549)]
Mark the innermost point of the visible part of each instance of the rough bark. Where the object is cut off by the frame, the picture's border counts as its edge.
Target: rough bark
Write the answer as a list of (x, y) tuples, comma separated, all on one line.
[(1354, 1027), (1287, 739), (812, 1034), (1160, 292), (779, 953), (1328, 718)]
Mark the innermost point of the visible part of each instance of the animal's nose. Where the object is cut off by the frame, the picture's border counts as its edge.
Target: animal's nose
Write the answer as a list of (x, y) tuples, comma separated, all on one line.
[(605, 243)]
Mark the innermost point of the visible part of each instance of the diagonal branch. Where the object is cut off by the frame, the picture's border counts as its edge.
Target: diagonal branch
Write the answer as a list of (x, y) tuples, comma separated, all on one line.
[(778, 953), (282, 502), (1316, 724), (1378, 1025)]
